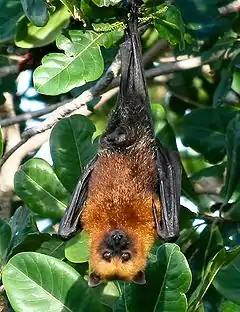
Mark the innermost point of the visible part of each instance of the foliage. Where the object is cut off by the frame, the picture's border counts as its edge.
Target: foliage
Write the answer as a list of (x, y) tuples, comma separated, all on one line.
[(71, 43)]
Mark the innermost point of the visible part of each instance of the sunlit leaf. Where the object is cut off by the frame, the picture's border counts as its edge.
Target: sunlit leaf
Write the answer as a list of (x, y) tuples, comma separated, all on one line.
[(35, 282), (31, 36), (229, 306), (106, 3), (236, 81), (58, 73)]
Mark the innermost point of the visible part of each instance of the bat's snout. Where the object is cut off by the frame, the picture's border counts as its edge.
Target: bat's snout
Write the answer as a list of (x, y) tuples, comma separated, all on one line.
[(118, 240)]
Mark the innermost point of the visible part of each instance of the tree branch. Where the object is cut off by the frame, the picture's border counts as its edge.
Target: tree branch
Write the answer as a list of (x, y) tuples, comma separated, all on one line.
[(26, 116), (108, 82), (230, 8)]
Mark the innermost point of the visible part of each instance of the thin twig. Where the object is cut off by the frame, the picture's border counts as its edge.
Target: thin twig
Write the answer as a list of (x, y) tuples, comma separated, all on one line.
[(230, 8), (26, 116)]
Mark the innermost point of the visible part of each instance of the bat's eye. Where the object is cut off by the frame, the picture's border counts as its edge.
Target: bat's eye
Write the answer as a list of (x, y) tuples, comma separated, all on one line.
[(107, 256), (126, 256)]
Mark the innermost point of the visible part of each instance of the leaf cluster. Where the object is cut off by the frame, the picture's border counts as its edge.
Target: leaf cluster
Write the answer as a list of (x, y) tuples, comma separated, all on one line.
[(199, 116)]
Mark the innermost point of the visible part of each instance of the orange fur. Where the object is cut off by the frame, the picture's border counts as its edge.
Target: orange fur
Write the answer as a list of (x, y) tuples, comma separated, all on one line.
[(120, 196)]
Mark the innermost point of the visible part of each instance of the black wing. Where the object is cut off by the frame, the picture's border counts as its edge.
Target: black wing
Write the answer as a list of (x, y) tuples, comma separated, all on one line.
[(70, 223), (169, 191)]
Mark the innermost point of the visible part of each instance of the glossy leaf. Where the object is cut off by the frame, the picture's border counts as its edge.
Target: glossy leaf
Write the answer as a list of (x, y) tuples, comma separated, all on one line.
[(221, 259), (44, 243), (35, 282), (170, 26), (236, 81), (1, 143), (233, 161), (22, 224), (36, 11), (106, 3), (72, 148), (5, 237), (227, 281), (58, 73), (204, 130), (38, 186), (168, 279), (76, 249), (31, 36), (10, 12)]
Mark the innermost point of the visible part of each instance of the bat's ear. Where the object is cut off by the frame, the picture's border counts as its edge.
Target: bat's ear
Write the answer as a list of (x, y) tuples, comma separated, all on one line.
[(139, 278), (94, 280)]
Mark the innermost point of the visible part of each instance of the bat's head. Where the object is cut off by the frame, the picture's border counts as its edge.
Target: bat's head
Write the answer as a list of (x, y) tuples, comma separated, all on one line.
[(118, 255)]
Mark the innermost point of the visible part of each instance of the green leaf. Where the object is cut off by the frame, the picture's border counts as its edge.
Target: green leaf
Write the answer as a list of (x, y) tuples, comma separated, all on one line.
[(106, 3), (227, 281), (221, 258), (76, 249), (36, 282), (72, 148), (216, 171), (1, 142), (223, 87), (38, 186), (5, 238), (110, 295), (36, 11), (31, 36), (204, 130), (58, 73), (168, 279), (233, 161), (10, 12), (229, 306), (22, 224), (44, 243), (236, 81), (170, 26)]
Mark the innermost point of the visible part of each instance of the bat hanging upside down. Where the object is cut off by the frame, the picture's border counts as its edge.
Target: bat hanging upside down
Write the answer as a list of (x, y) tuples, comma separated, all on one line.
[(130, 192)]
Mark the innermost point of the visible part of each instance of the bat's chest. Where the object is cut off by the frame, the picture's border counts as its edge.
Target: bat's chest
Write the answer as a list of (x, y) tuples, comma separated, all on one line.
[(121, 176), (122, 189)]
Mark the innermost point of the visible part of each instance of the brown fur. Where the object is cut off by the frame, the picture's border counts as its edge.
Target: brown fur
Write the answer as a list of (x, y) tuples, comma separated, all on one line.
[(120, 196)]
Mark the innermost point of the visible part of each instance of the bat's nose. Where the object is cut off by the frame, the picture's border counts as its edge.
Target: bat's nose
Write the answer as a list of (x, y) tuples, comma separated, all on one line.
[(117, 236), (118, 240)]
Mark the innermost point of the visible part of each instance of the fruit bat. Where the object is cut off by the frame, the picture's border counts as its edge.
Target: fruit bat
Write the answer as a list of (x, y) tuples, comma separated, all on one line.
[(129, 194)]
